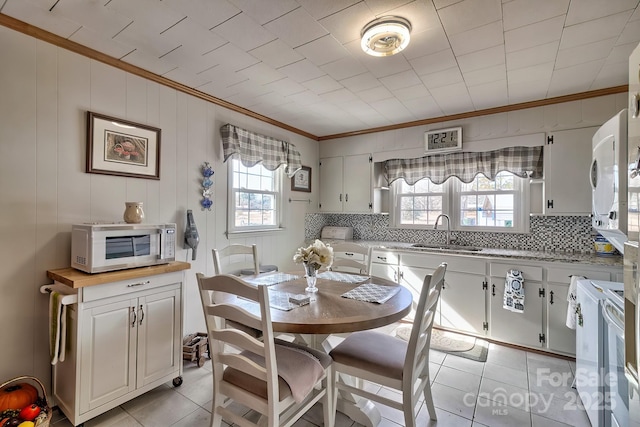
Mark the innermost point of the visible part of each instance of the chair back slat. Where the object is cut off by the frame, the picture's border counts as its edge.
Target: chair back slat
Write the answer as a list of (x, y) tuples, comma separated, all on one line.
[(235, 313), (234, 258), (238, 339), (343, 261), (243, 364)]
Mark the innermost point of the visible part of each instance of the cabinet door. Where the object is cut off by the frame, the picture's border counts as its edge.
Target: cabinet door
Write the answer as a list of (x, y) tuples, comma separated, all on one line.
[(412, 278), (108, 361), (517, 328), (358, 181), (385, 271), (567, 190), (559, 337), (331, 197), (159, 336), (462, 302)]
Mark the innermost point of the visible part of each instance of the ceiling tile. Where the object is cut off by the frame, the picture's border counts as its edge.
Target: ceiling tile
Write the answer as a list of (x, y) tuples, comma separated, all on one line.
[(630, 33), (401, 80), (421, 14), (322, 85), (489, 95), (393, 110), (296, 28), (261, 73), (323, 50), (589, 10), (426, 43), (469, 14), (482, 59), (424, 107), (435, 62), (486, 75), (375, 94), (244, 32), (285, 87), (610, 75), (320, 9), (519, 13), (207, 13), (533, 55), (381, 67), (621, 53), (305, 98), (36, 14), (347, 24), (411, 92), (592, 31), (98, 42), (344, 68), (478, 39), (265, 11), (386, 7), (187, 77), (153, 16), (532, 73), (193, 36), (339, 96), (442, 78), (527, 91), (149, 43), (276, 53), (361, 82), (223, 76), (452, 99), (534, 35), (148, 62), (584, 53), (301, 71), (574, 79), (231, 56)]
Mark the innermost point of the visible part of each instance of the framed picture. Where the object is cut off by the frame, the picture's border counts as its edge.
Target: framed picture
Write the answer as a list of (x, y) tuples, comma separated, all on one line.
[(301, 181), (123, 148)]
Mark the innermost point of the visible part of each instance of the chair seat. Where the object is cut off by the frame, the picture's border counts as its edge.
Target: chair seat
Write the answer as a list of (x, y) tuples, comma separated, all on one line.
[(254, 385), (373, 351)]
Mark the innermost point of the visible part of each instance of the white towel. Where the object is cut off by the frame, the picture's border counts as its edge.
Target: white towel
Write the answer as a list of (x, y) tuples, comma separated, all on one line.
[(514, 292), (57, 327), (572, 299)]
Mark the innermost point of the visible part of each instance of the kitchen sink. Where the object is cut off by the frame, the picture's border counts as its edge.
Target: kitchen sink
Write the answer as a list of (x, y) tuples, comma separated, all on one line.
[(447, 247)]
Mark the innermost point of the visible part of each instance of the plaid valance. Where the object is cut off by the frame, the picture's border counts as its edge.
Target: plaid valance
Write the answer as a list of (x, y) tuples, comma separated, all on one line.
[(521, 161), (252, 148)]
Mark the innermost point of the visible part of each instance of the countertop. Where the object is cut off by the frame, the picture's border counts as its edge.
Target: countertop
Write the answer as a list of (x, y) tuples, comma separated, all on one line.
[(565, 257), (79, 279)]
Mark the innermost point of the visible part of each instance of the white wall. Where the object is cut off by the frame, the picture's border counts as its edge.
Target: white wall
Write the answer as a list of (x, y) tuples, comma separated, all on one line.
[(45, 93)]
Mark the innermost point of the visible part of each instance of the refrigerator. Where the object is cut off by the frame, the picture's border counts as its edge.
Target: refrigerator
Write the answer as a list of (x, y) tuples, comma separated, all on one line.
[(631, 260)]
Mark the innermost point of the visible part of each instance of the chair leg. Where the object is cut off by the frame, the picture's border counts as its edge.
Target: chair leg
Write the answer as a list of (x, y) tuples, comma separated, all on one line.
[(328, 405), (333, 384), (428, 400)]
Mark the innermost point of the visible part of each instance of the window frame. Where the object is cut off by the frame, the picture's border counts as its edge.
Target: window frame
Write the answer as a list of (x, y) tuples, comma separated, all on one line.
[(278, 194), (451, 207)]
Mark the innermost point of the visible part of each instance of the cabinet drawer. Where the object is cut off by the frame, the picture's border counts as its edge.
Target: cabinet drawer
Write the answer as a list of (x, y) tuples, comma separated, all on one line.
[(563, 275), (454, 263), (125, 287), (528, 272), (384, 257)]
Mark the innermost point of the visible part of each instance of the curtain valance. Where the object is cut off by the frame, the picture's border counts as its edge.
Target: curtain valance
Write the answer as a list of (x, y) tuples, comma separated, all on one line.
[(521, 161), (252, 148)]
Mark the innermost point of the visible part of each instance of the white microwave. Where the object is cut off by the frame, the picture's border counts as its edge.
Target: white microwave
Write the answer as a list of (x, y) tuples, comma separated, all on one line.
[(96, 248)]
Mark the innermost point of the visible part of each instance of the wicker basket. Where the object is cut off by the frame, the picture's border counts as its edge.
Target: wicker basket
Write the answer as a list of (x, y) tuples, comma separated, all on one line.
[(43, 394)]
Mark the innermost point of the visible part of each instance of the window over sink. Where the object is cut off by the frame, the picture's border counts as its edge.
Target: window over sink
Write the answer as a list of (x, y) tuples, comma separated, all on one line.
[(481, 205)]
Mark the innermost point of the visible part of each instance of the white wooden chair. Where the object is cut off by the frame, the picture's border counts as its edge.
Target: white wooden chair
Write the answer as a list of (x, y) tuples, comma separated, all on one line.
[(251, 371), (391, 362), (235, 258), (351, 257)]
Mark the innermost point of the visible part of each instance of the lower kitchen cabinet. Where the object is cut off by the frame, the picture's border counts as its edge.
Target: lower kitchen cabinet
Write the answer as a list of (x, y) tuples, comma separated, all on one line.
[(462, 302), (524, 328), (125, 338)]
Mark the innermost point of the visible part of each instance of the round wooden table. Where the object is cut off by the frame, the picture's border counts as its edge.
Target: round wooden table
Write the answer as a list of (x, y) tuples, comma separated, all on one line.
[(329, 313)]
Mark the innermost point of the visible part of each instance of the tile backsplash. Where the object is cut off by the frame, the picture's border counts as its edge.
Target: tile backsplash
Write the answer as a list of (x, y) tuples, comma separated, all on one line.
[(547, 233)]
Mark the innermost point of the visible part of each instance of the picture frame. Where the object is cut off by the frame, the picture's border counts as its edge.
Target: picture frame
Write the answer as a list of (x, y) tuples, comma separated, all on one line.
[(301, 180), (122, 148)]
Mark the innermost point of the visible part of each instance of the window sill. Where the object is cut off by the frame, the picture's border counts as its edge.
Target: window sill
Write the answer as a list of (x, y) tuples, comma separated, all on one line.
[(258, 232)]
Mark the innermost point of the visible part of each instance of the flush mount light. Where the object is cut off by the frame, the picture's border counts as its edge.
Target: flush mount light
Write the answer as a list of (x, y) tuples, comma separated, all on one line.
[(386, 36)]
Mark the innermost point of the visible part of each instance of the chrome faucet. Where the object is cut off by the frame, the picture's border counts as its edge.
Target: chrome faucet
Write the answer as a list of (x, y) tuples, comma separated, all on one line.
[(435, 227)]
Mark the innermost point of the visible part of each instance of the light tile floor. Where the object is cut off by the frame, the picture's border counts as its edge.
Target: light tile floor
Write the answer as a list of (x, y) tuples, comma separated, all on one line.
[(512, 388)]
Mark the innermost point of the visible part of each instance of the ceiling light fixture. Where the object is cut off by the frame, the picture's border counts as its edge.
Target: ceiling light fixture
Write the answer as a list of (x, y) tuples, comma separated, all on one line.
[(386, 36)]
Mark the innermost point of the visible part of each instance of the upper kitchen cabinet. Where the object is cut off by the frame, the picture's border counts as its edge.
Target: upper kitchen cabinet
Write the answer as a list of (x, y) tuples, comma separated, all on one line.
[(567, 159), (347, 185)]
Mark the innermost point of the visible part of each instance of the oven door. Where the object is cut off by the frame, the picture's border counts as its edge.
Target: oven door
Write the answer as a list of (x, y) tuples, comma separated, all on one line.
[(616, 397)]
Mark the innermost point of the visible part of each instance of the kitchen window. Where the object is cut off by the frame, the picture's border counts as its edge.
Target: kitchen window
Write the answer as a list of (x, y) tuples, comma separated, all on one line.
[(481, 205), (255, 197)]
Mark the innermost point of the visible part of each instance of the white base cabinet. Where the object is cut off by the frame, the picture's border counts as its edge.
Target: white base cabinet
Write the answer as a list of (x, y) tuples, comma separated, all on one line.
[(472, 297), (125, 339)]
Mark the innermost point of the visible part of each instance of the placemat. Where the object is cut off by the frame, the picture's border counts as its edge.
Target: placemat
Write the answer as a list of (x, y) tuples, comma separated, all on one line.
[(370, 292), (272, 279), (342, 277), (280, 300)]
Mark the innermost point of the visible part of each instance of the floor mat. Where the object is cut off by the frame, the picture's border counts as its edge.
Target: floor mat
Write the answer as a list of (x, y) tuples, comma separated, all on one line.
[(452, 343)]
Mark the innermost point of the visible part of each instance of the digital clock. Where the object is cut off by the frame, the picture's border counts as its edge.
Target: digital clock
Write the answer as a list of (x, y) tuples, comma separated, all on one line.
[(443, 140)]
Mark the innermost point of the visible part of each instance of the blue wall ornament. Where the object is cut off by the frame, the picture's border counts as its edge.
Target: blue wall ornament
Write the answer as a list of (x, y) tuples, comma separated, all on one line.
[(207, 183)]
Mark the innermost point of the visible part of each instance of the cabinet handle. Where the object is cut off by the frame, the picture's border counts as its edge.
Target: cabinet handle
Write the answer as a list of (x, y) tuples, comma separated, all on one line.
[(493, 290), (132, 285), (395, 276), (443, 283), (346, 197), (348, 254), (382, 258), (340, 196), (141, 311), (551, 297), (133, 314)]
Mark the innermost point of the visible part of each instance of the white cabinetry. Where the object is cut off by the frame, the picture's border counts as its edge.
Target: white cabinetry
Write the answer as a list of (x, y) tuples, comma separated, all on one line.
[(519, 328), (346, 184), (566, 189), (126, 338)]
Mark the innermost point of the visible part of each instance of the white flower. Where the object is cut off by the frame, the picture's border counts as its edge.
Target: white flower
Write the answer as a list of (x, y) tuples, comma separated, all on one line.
[(317, 254)]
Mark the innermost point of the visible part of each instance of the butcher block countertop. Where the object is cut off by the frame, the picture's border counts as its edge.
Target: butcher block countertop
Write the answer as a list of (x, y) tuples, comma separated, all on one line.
[(79, 279)]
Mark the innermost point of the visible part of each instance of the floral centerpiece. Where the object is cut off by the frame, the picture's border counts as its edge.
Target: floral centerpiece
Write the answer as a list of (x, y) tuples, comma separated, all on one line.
[(314, 257)]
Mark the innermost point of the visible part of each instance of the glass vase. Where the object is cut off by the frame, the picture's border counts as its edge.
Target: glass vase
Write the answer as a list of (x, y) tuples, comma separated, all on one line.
[(311, 274)]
